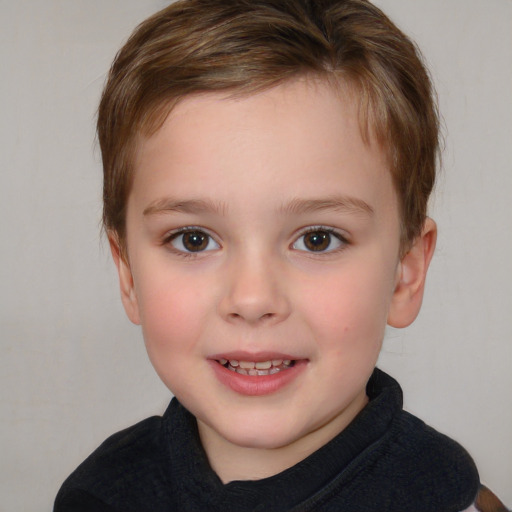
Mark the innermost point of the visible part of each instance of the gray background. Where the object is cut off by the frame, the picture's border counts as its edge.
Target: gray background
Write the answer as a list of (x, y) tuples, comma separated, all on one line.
[(73, 369)]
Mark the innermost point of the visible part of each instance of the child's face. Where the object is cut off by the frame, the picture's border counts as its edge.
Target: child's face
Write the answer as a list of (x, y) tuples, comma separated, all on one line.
[(263, 229)]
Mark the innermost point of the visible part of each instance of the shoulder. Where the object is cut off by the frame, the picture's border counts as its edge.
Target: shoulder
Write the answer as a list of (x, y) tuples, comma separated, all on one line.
[(431, 451), (412, 464), (430, 462), (122, 470), (414, 467), (426, 463), (406, 466)]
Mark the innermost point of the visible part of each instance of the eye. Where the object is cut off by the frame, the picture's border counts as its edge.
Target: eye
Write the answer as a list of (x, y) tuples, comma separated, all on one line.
[(192, 241), (320, 240)]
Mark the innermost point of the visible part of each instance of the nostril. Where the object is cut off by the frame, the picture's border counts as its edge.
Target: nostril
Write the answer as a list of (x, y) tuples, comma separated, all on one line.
[(255, 318)]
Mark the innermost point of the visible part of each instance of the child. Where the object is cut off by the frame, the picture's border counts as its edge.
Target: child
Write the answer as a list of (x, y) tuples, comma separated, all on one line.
[(267, 168)]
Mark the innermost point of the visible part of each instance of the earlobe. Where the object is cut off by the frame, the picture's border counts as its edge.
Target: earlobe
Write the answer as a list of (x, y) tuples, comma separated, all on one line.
[(128, 295), (411, 276)]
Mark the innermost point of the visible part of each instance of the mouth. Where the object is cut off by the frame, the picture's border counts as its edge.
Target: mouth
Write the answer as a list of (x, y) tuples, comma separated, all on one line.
[(257, 368), (259, 374)]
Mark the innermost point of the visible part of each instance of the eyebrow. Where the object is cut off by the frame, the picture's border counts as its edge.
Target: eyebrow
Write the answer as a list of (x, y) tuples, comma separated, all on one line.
[(167, 205), (344, 204)]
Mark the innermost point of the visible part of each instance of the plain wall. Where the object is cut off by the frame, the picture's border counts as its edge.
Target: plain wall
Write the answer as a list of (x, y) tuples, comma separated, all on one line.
[(74, 370)]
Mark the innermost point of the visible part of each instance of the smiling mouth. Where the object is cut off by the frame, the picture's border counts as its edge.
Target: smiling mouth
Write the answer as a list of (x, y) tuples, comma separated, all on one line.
[(257, 368)]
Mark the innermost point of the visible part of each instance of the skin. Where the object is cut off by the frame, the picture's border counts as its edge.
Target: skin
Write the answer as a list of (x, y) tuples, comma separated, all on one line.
[(254, 174)]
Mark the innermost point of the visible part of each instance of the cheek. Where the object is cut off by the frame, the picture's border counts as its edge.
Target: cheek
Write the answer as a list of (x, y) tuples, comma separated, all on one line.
[(173, 315), (172, 311), (350, 310)]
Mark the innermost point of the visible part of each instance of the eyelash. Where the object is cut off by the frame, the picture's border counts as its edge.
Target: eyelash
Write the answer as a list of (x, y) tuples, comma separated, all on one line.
[(331, 232), (169, 238)]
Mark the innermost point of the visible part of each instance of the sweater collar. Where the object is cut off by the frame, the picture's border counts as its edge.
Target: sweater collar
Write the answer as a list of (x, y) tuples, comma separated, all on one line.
[(291, 487)]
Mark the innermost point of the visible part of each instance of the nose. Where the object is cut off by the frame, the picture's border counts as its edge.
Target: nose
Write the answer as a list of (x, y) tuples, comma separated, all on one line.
[(254, 292)]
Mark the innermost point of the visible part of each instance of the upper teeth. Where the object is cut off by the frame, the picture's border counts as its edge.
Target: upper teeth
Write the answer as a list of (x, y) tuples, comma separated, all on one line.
[(256, 367)]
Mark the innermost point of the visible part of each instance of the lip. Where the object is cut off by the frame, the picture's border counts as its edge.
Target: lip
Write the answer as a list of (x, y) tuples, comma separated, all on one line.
[(249, 385)]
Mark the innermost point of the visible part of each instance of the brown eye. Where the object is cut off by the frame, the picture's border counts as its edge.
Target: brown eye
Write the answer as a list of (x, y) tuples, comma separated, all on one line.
[(193, 241), (319, 240)]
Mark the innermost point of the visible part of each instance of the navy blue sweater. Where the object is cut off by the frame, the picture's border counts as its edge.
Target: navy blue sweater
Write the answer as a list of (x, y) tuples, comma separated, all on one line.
[(386, 460)]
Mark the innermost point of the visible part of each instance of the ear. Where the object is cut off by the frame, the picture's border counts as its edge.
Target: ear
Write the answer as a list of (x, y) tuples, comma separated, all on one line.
[(128, 296), (411, 275)]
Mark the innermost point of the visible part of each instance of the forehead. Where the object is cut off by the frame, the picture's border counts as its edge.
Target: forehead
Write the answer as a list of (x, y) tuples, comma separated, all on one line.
[(302, 134)]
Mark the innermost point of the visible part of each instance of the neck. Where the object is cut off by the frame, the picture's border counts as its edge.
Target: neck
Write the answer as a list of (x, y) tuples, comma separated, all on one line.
[(235, 462)]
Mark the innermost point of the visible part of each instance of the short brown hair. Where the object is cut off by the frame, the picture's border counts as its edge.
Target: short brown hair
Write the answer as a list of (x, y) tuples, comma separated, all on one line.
[(246, 46)]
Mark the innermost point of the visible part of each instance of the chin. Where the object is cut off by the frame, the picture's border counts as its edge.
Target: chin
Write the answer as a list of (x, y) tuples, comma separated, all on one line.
[(257, 436)]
